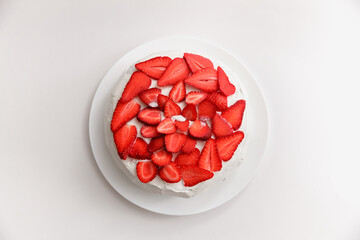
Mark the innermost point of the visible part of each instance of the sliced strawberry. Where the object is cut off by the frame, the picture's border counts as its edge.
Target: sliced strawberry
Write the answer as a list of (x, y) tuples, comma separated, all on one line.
[(197, 62), (225, 86), (166, 126), (140, 149), (195, 97), (189, 144), (220, 127), (234, 114), (170, 173), (174, 142), (149, 132), (191, 158), (146, 171), (182, 126), (178, 92), (138, 82), (227, 145), (123, 113), (154, 67), (149, 116), (171, 109), (161, 158), (189, 112), (200, 130), (207, 110), (193, 175), (156, 144), (124, 139), (177, 70), (204, 79), (219, 100), (209, 158), (161, 100), (149, 96)]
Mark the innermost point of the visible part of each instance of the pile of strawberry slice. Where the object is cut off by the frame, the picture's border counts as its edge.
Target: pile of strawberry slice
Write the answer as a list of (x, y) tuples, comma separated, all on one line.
[(172, 132)]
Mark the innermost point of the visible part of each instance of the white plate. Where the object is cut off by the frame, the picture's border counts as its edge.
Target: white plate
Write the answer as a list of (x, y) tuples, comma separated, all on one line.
[(257, 131)]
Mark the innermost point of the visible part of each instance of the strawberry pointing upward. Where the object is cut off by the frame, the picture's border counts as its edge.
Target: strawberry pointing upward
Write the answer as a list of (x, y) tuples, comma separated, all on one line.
[(176, 71), (138, 82)]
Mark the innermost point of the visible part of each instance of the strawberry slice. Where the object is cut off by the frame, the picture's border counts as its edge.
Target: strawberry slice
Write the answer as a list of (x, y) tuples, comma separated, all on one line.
[(161, 100), (182, 126), (156, 144), (149, 132), (178, 92), (197, 62), (174, 142), (220, 127), (171, 109), (161, 158), (149, 96), (200, 130), (204, 79), (170, 173), (177, 70), (189, 112), (138, 82), (234, 114), (227, 145), (207, 110), (195, 97), (123, 113), (166, 126), (225, 86), (124, 139), (219, 100), (154, 67), (191, 158), (149, 116), (146, 171), (193, 175), (209, 158), (140, 149), (189, 144)]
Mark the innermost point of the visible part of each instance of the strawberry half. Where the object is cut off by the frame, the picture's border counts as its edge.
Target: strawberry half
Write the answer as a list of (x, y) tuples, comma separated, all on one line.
[(149, 131), (227, 145), (200, 130), (161, 100), (124, 139), (170, 173), (177, 70), (140, 149), (161, 158), (220, 127), (154, 67), (207, 110), (197, 62), (182, 126), (225, 86), (204, 79), (149, 96), (171, 109), (189, 112), (156, 144), (191, 158), (195, 97), (234, 114), (209, 158), (189, 144), (146, 171), (149, 116), (193, 175), (178, 92), (219, 100), (166, 126), (174, 142), (138, 82), (123, 113)]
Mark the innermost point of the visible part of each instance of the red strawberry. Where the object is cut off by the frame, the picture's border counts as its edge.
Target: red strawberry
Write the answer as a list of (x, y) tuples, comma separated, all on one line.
[(166, 126), (182, 126), (146, 171), (149, 131), (189, 112), (204, 79), (161, 158), (124, 139), (200, 130), (171, 109), (174, 142), (177, 70), (123, 113), (195, 97), (227, 145), (189, 145), (154, 67), (234, 114), (170, 173), (161, 100), (220, 127), (178, 92), (193, 175), (209, 158), (191, 158), (138, 82), (207, 110), (149, 96), (149, 116), (225, 86), (219, 100), (156, 144), (197, 62), (139, 150)]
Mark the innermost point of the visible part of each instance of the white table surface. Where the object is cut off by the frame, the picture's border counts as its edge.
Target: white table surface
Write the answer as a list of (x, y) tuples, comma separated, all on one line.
[(304, 55)]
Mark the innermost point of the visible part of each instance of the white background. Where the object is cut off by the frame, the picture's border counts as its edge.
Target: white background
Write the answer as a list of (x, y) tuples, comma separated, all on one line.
[(304, 55)]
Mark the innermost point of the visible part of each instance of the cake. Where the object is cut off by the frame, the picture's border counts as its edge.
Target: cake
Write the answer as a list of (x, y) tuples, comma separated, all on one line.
[(176, 123)]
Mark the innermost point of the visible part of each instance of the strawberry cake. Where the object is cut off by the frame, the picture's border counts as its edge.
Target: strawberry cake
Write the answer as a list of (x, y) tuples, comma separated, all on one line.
[(176, 123)]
